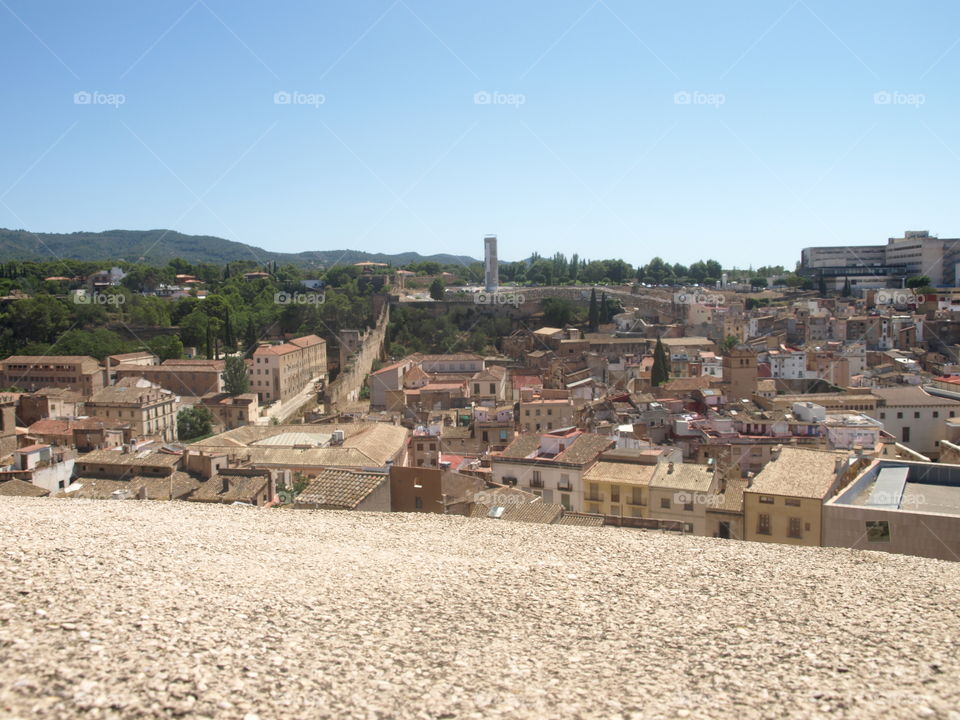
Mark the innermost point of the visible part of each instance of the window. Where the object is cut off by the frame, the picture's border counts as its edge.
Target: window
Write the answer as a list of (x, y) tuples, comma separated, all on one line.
[(906, 435), (418, 502), (883, 416), (665, 503), (615, 493), (878, 531), (766, 499), (637, 498), (537, 480), (763, 524), (793, 529), (916, 415), (794, 502), (936, 413), (899, 416), (565, 501), (565, 482), (595, 509), (688, 507)]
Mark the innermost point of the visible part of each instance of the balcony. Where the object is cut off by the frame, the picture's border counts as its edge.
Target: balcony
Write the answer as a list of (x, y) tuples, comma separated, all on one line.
[(536, 483), (594, 497), (565, 486)]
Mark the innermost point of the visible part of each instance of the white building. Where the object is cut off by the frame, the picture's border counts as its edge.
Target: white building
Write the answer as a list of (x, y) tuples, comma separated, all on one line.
[(491, 268)]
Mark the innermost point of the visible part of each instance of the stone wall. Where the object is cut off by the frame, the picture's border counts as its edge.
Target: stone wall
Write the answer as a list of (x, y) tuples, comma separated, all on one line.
[(346, 388)]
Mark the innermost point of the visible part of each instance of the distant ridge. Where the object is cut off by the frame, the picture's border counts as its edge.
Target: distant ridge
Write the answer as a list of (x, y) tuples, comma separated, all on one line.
[(158, 247)]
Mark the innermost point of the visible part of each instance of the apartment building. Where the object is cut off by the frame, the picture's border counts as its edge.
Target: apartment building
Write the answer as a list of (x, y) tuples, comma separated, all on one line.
[(547, 410), (148, 408), (80, 373), (280, 372), (784, 503), (49, 402), (550, 465), (680, 494)]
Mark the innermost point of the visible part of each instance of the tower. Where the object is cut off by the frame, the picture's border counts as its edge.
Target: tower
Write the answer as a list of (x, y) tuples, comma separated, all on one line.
[(491, 270)]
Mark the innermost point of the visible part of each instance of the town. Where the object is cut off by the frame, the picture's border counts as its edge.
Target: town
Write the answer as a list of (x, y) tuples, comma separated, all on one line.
[(814, 407)]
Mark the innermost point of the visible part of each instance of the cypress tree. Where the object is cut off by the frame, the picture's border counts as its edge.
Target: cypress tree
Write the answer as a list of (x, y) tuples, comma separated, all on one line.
[(594, 311), (660, 373)]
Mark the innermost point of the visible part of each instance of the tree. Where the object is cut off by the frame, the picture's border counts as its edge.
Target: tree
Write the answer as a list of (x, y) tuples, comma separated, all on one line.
[(235, 380), (557, 312), (728, 344), (605, 313), (918, 282), (660, 373), (194, 422), (436, 289), (758, 282), (594, 317), (822, 286), (847, 290)]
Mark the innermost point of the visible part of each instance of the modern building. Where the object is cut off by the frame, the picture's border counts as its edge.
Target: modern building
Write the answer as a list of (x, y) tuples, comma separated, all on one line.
[(898, 507), (491, 267), (915, 417)]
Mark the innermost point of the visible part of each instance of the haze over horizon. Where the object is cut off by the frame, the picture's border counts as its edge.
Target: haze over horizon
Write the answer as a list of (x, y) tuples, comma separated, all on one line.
[(740, 133)]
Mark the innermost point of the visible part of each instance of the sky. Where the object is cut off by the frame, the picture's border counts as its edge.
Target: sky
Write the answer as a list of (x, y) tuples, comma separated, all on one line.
[(740, 131)]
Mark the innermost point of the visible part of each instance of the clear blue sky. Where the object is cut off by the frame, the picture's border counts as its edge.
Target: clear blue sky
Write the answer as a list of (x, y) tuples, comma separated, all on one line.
[(599, 158)]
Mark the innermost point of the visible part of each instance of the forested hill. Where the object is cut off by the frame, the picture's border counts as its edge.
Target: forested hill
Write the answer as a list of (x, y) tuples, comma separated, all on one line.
[(158, 247)]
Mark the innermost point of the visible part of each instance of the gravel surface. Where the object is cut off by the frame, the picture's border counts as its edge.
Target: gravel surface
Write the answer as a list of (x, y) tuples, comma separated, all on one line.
[(131, 609)]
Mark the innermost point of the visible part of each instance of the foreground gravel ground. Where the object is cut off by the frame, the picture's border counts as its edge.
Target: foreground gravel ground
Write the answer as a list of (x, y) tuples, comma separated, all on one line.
[(131, 609)]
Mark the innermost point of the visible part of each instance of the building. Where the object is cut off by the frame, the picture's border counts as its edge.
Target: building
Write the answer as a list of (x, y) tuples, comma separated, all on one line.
[(149, 409), (546, 411), (232, 411), (491, 266), (139, 359), (618, 487), (249, 486), (915, 417), (739, 373), (181, 377), (310, 448), (44, 466), (49, 402), (80, 373), (338, 489), (550, 465), (680, 494), (898, 507), (280, 372), (430, 489), (784, 503)]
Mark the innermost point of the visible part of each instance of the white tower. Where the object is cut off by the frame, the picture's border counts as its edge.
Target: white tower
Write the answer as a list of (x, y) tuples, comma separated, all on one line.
[(491, 270)]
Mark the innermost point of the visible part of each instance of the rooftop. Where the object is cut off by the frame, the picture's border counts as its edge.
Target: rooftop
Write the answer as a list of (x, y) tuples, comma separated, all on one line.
[(799, 472)]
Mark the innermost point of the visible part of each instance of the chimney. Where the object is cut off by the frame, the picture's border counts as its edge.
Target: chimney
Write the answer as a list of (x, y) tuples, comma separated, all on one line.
[(669, 468), (775, 453)]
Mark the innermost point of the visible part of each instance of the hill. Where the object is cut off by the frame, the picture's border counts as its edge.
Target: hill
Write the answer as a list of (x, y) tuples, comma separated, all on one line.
[(159, 609), (158, 247)]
